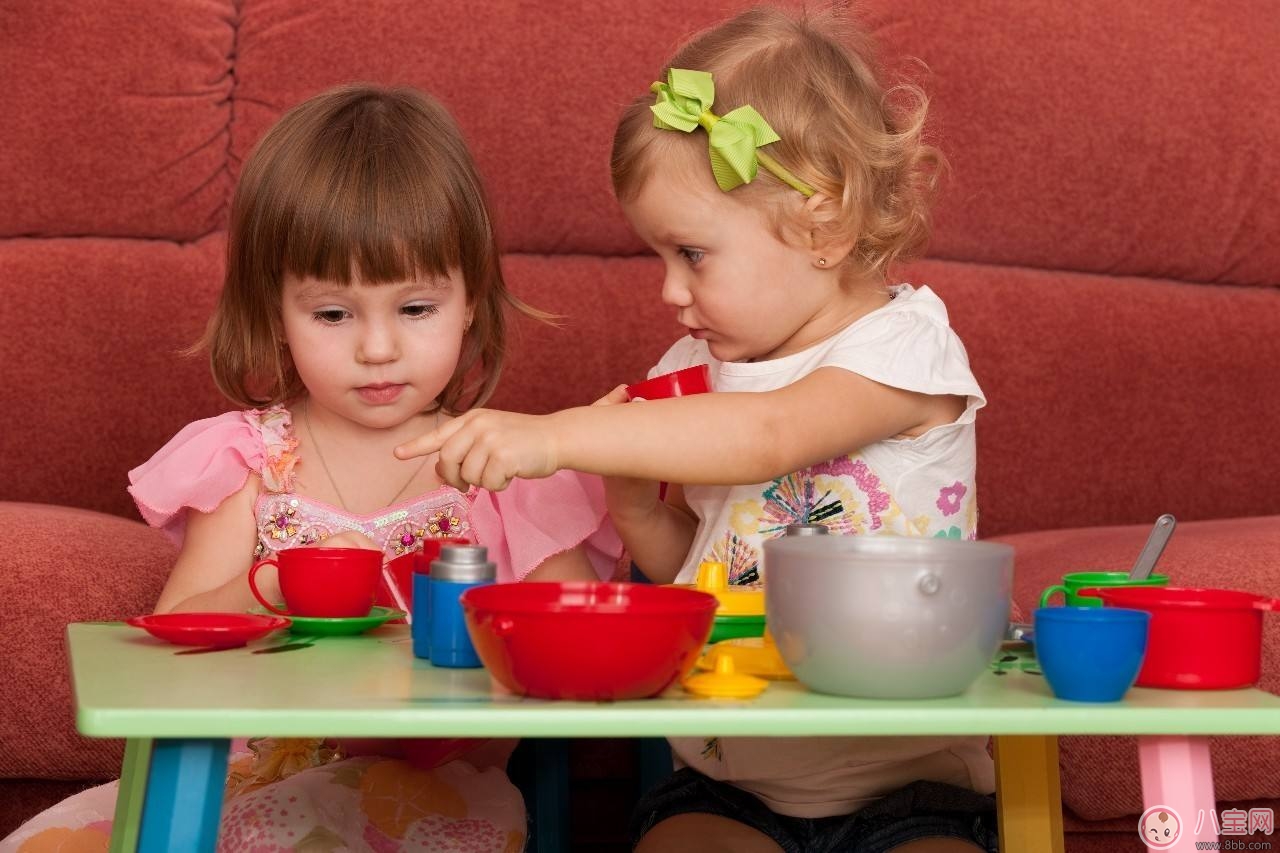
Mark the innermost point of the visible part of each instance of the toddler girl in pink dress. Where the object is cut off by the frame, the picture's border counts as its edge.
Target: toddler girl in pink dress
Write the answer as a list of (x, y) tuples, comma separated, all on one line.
[(363, 305)]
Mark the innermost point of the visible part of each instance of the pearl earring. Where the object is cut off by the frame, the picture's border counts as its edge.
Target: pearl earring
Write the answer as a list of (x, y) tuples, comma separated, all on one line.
[(822, 262)]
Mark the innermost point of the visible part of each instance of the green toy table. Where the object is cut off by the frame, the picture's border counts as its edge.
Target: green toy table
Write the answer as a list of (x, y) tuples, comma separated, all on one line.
[(180, 710)]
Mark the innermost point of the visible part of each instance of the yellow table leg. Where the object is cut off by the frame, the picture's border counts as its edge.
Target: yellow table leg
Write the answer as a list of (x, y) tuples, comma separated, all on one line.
[(1028, 794)]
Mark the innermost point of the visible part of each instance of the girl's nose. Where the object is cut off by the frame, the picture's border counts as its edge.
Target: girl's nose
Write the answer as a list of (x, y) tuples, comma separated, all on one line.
[(378, 344), (675, 292)]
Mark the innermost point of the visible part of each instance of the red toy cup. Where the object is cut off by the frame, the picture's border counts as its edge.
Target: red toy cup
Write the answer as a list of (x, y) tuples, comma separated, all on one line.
[(682, 383), (323, 582), (431, 551), (1200, 639)]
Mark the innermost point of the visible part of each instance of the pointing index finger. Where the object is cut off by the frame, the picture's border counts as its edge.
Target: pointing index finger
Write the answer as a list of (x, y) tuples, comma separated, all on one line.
[(429, 442)]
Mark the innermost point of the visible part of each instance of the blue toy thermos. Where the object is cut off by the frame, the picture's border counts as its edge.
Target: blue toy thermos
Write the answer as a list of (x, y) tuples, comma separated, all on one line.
[(439, 628)]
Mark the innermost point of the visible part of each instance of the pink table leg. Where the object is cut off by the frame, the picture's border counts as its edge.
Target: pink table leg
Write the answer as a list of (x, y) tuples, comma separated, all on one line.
[(1177, 775)]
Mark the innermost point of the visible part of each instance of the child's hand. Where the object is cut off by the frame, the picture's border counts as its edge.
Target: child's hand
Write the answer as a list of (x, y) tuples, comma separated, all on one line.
[(617, 395), (489, 449)]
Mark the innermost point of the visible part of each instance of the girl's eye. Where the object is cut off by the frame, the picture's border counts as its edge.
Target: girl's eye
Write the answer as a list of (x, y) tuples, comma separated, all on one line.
[(420, 309), (690, 255), (330, 315)]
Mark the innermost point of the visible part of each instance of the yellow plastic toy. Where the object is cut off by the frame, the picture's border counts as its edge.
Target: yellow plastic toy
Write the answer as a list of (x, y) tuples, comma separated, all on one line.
[(713, 577), (724, 683), (751, 656)]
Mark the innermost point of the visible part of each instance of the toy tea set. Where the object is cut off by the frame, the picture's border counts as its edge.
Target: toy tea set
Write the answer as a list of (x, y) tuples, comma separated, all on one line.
[(876, 617)]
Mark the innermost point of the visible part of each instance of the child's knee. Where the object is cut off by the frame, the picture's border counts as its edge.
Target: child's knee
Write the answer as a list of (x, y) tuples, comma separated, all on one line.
[(384, 802), (697, 832)]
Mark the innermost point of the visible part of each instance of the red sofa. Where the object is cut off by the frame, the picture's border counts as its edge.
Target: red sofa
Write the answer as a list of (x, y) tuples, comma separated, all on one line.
[(1107, 244)]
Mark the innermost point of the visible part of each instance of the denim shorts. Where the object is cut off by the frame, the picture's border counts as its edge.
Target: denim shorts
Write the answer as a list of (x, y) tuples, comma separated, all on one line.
[(919, 810)]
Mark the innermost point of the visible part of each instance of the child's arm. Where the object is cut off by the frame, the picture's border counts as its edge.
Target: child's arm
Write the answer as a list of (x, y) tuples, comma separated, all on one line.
[(212, 568), (720, 438), (658, 535), (571, 565)]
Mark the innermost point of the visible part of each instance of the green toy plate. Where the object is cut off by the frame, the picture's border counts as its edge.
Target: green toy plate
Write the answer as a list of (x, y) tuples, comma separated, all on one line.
[(316, 626)]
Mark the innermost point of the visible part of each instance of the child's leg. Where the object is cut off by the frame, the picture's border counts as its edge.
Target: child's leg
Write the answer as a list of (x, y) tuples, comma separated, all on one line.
[(937, 845), (380, 804), (691, 812), (704, 833), (80, 822)]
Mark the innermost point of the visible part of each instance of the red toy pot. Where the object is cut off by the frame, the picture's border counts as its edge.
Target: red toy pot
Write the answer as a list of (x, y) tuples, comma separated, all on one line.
[(587, 641), (1200, 639)]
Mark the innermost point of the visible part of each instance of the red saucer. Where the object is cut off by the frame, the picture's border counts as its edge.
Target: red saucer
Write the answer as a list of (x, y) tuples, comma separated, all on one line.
[(221, 630)]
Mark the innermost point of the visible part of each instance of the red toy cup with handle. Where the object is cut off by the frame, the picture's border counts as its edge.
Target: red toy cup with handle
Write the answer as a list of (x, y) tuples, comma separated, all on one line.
[(682, 383), (323, 582)]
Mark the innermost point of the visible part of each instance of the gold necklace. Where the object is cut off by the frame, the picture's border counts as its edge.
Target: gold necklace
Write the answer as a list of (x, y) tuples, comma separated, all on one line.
[(311, 437)]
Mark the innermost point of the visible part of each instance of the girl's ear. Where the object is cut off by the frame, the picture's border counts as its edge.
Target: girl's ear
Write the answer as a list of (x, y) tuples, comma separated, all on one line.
[(827, 253)]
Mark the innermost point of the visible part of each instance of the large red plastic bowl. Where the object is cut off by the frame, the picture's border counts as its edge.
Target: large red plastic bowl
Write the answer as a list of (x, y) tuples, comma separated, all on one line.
[(1199, 639), (587, 641)]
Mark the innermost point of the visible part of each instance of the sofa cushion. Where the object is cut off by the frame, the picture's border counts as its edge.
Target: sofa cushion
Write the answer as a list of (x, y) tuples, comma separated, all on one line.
[(65, 565), (115, 119), (611, 329), (1100, 774), (91, 375), (1008, 99), (537, 88), (1126, 139), (1101, 411)]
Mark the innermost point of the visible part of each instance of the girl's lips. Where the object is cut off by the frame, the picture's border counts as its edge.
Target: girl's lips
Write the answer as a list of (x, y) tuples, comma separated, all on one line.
[(379, 394)]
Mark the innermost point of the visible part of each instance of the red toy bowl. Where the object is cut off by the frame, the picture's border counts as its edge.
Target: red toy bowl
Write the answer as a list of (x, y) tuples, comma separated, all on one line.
[(682, 383), (587, 641), (219, 630), (1200, 639)]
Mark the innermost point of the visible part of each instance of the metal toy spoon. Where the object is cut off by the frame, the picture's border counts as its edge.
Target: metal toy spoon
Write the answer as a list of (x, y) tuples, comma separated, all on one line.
[(1153, 549)]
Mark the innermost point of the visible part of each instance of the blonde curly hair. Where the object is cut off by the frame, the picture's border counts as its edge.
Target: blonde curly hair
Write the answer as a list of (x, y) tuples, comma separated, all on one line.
[(812, 76)]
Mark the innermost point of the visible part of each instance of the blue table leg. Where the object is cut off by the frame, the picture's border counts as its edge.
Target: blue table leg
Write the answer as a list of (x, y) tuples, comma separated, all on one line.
[(551, 795), (183, 803)]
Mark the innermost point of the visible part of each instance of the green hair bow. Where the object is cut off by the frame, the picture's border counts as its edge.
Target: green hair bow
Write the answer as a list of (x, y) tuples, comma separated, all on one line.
[(684, 103)]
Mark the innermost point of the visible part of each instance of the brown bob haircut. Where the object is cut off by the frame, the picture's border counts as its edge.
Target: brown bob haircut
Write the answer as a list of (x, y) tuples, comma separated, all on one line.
[(813, 78), (359, 182)]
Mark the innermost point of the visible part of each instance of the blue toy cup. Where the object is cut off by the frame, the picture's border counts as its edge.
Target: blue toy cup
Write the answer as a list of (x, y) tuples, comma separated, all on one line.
[(1090, 654)]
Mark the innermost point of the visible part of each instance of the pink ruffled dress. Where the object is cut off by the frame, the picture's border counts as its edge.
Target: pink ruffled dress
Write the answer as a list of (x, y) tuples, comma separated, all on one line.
[(302, 793), (521, 526)]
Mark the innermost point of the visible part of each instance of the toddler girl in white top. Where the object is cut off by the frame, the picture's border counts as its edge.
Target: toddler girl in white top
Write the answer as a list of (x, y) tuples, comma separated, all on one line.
[(778, 181)]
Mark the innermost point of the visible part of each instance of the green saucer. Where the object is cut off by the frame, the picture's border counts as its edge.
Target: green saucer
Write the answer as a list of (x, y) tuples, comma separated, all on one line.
[(734, 627), (317, 626)]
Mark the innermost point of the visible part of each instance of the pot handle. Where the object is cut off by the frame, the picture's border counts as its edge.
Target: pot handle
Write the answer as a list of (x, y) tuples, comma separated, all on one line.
[(1272, 604), (929, 584)]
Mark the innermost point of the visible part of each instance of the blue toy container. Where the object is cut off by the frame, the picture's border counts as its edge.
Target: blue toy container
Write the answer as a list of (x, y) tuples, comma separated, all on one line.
[(458, 569)]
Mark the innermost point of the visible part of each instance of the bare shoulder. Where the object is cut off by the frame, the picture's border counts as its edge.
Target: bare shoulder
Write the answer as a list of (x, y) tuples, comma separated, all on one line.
[(217, 546)]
